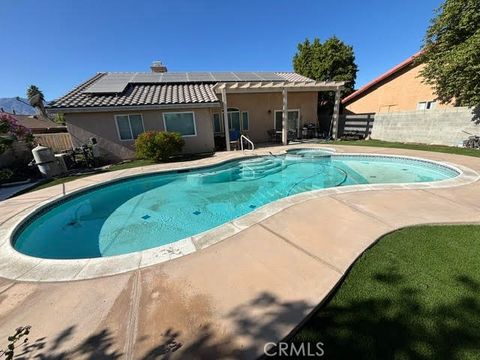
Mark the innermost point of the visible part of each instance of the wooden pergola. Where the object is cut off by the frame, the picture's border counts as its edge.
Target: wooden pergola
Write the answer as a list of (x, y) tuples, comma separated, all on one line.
[(284, 87)]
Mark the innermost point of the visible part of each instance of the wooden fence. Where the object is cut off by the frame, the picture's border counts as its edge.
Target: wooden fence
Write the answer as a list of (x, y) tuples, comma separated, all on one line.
[(57, 141), (356, 123)]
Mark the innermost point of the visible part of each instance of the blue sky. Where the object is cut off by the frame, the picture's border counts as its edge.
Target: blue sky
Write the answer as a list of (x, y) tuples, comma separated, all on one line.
[(58, 44)]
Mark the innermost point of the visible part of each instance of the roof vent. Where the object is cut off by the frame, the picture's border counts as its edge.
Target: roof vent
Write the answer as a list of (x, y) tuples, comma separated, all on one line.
[(158, 67)]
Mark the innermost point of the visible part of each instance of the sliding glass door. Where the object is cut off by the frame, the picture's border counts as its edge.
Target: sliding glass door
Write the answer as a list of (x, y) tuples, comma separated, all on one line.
[(293, 122)]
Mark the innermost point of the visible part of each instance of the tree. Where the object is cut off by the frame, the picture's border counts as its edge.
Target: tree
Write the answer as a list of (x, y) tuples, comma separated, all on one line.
[(11, 130), (452, 53), (37, 100), (331, 61), (59, 119)]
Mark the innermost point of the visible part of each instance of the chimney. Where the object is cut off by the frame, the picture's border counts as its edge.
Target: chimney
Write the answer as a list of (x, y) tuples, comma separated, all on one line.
[(158, 67)]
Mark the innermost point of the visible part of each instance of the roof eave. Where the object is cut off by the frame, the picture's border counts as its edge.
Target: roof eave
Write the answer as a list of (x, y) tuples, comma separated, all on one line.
[(90, 109)]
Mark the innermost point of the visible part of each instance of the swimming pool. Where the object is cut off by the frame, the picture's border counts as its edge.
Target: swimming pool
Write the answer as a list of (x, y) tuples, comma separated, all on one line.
[(149, 211)]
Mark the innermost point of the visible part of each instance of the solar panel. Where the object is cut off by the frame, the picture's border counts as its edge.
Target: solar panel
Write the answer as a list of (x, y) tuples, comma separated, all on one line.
[(247, 76), (117, 82), (224, 76), (174, 77), (200, 76), (270, 76), (147, 78), (110, 83)]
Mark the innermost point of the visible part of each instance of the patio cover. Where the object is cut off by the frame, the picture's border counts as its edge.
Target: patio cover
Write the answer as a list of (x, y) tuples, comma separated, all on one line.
[(284, 87)]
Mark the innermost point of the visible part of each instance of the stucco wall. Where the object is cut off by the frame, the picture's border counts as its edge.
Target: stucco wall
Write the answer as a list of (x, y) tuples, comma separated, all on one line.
[(101, 125), (260, 106), (401, 93), (442, 126), (261, 109)]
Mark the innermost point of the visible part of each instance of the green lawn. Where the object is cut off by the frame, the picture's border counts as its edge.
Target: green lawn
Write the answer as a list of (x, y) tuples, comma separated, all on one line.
[(413, 295), (434, 148)]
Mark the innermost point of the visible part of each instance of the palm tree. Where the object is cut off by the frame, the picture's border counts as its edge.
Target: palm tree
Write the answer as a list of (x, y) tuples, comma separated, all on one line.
[(36, 99)]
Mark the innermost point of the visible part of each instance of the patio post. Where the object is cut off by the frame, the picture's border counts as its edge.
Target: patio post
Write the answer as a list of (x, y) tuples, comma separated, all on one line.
[(284, 117), (225, 117), (336, 114)]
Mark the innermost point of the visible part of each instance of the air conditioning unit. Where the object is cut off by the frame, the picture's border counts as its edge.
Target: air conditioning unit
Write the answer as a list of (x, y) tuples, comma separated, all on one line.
[(62, 164)]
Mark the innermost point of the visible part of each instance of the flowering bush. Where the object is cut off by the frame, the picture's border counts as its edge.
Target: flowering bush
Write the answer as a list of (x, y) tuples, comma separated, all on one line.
[(158, 145), (11, 130)]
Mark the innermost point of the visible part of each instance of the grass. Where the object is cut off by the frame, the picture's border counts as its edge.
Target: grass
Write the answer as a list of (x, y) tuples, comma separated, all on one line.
[(414, 295), (422, 147)]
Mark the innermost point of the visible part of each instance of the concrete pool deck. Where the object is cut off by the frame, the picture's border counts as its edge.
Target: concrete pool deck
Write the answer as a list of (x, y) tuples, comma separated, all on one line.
[(228, 299)]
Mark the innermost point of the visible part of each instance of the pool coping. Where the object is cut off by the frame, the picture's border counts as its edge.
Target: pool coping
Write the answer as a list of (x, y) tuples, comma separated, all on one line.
[(20, 267)]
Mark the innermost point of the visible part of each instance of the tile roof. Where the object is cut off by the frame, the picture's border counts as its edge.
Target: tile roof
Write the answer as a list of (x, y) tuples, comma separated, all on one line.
[(294, 77), (36, 122), (151, 93)]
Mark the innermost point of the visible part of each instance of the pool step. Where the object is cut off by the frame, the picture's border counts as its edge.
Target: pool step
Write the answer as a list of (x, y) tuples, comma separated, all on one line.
[(217, 176), (257, 168), (245, 170)]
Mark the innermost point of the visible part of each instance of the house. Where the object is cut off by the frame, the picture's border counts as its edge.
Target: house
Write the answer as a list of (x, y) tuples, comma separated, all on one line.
[(43, 129), (399, 89), (204, 107), (39, 124)]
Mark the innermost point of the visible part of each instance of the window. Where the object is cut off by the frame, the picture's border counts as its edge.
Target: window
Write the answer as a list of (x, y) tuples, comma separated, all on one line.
[(426, 105), (129, 126), (233, 119), (245, 121), (217, 123), (183, 123)]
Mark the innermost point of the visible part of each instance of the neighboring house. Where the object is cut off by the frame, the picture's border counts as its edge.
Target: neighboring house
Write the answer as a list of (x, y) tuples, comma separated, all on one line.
[(43, 129), (116, 107), (39, 124), (399, 89)]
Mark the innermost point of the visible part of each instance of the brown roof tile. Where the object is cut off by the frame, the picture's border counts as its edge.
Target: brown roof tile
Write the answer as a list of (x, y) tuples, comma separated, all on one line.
[(156, 93), (36, 122)]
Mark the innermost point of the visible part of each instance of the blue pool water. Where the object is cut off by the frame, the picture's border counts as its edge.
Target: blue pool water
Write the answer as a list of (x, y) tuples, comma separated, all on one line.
[(153, 210)]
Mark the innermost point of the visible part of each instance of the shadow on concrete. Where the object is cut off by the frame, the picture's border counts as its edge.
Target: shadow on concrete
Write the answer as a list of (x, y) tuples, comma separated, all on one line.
[(381, 327), (406, 327), (263, 319), (98, 346)]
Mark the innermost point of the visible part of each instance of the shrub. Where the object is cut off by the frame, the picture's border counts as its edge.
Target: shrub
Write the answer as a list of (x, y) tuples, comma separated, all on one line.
[(11, 130), (158, 145), (5, 175)]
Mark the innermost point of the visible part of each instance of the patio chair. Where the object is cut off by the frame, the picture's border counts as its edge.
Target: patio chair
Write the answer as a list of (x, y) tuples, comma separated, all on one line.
[(291, 135), (234, 139), (273, 136)]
